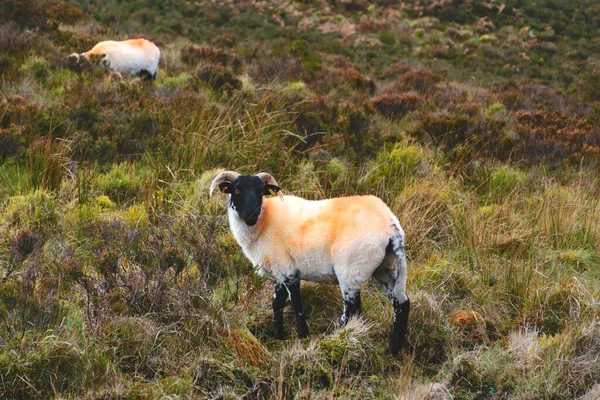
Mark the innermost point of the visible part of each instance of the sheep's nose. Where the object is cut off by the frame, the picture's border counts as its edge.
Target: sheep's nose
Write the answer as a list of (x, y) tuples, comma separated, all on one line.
[(251, 220)]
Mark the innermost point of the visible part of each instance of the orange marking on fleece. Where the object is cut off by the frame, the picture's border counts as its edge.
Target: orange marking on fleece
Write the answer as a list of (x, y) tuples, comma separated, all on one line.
[(335, 223), (109, 45), (141, 43)]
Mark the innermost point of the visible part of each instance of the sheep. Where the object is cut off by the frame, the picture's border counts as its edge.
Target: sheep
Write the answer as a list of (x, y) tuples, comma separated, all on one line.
[(138, 57), (343, 240)]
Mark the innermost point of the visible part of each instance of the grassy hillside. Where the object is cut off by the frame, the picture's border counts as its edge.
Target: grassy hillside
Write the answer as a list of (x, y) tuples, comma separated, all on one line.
[(477, 122)]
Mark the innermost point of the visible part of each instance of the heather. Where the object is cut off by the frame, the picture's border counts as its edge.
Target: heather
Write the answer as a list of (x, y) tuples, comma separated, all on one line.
[(477, 122)]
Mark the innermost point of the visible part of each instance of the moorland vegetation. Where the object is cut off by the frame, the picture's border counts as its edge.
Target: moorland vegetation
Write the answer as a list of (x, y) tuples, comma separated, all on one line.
[(478, 123)]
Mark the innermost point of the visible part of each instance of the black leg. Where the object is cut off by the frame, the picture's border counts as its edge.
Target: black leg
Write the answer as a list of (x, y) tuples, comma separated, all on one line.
[(145, 75), (401, 311), (279, 298), (352, 306), (293, 285)]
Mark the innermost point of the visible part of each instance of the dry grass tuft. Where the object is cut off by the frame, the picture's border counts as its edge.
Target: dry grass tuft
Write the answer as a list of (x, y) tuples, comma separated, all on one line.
[(119, 277), (470, 325), (243, 343), (431, 391)]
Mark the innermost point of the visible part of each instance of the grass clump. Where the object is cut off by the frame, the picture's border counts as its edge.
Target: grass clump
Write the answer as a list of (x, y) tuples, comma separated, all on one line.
[(37, 209), (430, 342), (120, 184), (119, 277)]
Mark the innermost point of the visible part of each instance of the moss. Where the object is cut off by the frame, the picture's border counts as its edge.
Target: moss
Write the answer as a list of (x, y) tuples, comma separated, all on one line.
[(488, 38), (505, 180), (120, 184), (409, 157), (297, 87), (135, 215), (37, 210), (336, 350), (496, 108), (247, 84), (105, 202), (180, 80)]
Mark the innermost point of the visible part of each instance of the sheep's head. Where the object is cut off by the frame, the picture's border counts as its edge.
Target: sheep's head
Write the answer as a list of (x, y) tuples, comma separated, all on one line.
[(81, 61), (246, 192), (78, 62), (74, 60)]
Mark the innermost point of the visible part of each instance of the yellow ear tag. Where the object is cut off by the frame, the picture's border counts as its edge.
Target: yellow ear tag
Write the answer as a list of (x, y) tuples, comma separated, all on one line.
[(272, 192)]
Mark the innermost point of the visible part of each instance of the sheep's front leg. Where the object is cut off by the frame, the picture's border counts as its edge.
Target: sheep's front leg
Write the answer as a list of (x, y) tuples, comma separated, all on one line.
[(293, 285), (279, 298), (352, 305)]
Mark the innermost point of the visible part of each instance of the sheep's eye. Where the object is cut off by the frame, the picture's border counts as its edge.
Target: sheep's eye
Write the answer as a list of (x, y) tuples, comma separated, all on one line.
[(237, 191)]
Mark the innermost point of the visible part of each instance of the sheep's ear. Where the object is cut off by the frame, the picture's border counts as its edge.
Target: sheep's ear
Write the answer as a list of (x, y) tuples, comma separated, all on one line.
[(271, 189), (226, 187)]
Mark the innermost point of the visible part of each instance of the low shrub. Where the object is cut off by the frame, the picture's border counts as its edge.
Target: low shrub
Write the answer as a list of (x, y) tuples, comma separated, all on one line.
[(395, 106), (556, 139), (219, 78)]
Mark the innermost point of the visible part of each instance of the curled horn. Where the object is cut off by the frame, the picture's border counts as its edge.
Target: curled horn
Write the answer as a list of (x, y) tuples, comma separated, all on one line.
[(266, 178), (226, 176)]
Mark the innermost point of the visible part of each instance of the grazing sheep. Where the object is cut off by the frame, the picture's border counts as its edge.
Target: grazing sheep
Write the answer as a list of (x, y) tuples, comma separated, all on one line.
[(138, 57), (343, 240)]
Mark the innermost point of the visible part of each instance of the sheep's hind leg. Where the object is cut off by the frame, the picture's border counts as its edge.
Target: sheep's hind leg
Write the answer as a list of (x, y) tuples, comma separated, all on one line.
[(293, 285), (279, 299), (146, 75), (394, 284), (352, 305), (401, 310)]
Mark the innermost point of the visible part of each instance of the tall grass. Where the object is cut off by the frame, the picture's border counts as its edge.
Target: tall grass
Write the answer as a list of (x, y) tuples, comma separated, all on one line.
[(249, 134), (119, 277)]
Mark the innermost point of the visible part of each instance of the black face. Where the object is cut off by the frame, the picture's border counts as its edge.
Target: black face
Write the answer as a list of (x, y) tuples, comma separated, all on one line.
[(247, 195)]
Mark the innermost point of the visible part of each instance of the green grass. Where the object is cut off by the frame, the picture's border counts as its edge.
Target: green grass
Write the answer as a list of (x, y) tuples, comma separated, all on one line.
[(119, 277)]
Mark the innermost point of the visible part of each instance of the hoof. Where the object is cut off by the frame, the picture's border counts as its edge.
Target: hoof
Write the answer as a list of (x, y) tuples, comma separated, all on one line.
[(302, 329), (395, 344), (278, 332)]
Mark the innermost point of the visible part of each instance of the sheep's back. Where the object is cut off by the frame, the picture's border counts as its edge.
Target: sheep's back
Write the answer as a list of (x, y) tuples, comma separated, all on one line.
[(325, 232)]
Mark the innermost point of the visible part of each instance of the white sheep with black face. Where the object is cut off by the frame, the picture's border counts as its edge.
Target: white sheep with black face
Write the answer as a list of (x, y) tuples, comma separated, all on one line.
[(343, 240), (137, 57)]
